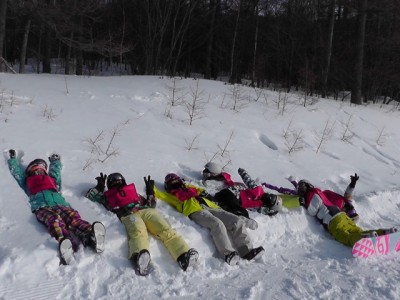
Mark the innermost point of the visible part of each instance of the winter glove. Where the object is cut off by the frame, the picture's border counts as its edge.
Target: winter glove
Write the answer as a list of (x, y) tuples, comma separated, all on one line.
[(12, 153), (241, 171), (353, 180), (149, 186), (206, 195), (54, 157), (101, 182)]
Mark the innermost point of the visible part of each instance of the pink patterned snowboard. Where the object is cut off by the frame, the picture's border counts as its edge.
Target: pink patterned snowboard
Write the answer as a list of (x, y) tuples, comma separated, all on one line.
[(381, 245)]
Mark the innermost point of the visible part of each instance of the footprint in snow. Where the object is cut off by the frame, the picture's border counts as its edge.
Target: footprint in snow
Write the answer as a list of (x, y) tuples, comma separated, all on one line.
[(267, 142)]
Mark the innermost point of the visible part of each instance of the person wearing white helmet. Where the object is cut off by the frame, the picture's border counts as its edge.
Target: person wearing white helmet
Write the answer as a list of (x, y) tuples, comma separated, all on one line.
[(336, 222), (228, 230), (231, 195)]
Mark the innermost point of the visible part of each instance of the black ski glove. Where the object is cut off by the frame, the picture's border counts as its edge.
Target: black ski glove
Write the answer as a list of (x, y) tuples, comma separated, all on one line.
[(241, 172), (12, 153), (206, 195), (302, 201), (101, 182), (149, 186), (353, 180), (54, 157)]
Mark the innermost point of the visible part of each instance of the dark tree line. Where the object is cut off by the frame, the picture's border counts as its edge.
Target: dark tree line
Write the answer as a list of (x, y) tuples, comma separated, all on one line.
[(321, 46)]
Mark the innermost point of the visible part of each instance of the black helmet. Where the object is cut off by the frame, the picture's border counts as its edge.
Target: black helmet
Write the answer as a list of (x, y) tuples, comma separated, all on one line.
[(115, 179), (36, 164), (272, 204), (303, 187)]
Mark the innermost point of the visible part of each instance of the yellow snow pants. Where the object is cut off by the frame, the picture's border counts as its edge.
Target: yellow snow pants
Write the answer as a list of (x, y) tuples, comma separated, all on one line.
[(150, 220), (345, 231)]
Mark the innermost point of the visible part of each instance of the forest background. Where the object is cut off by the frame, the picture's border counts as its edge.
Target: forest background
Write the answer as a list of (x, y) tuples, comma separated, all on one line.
[(321, 47)]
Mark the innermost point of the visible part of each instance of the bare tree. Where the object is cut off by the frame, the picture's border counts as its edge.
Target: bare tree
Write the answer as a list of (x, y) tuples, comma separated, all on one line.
[(195, 106), (347, 135), (294, 141), (223, 150), (325, 135)]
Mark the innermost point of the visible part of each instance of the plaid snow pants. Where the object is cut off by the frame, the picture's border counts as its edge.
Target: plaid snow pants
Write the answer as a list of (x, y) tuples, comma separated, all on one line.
[(64, 221)]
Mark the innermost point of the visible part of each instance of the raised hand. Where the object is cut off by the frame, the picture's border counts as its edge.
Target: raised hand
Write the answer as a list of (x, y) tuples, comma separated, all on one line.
[(101, 182)]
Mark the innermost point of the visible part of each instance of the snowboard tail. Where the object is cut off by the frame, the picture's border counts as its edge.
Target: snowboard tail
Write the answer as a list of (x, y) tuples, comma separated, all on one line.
[(374, 246)]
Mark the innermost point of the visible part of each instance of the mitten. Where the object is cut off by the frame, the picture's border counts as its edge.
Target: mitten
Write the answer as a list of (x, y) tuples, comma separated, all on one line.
[(353, 180), (149, 186), (101, 182), (54, 157), (12, 153), (302, 201)]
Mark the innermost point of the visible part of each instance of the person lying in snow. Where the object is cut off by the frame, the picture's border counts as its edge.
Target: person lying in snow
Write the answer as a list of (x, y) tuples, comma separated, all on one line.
[(139, 216), (238, 197), (344, 203), (64, 223), (335, 221), (227, 230)]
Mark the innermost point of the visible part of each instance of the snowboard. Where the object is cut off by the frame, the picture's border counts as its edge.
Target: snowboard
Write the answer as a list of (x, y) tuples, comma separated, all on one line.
[(374, 246)]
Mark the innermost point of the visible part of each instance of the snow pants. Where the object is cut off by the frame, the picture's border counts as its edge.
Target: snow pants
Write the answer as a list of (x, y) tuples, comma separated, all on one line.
[(227, 230), (64, 221), (345, 231), (150, 220)]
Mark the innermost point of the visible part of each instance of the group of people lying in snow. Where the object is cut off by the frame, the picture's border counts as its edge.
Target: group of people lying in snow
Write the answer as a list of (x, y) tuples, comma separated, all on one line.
[(220, 205)]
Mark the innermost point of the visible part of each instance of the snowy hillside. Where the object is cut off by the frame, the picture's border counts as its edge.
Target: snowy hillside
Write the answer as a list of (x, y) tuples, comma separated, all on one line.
[(128, 125)]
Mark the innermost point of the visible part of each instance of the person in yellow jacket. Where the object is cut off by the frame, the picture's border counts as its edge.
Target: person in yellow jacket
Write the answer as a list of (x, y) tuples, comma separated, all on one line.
[(227, 230), (139, 216)]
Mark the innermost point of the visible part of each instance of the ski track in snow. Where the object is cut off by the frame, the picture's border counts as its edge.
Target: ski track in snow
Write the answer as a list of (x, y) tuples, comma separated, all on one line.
[(267, 142)]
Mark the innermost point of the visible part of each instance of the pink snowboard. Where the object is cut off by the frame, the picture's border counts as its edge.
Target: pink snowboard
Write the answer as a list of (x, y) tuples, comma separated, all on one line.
[(381, 245)]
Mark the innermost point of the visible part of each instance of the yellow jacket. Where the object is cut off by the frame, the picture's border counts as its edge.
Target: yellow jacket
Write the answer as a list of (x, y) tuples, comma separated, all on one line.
[(186, 207)]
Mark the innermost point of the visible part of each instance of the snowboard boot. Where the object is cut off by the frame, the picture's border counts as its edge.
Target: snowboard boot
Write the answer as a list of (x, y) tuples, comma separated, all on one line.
[(96, 238), (232, 258), (254, 253), (370, 234), (141, 262), (353, 215), (390, 230), (66, 251), (188, 259)]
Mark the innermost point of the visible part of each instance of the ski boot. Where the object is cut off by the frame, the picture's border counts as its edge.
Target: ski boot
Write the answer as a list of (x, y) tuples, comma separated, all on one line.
[(188, 259)]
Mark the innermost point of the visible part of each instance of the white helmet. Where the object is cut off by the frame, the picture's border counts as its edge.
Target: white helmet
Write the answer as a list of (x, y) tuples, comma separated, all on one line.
[(213, 167)]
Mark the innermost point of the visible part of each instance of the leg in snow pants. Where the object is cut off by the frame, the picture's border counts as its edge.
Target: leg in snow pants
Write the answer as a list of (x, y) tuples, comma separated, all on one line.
[(61, 221), (345, 230), (227, 230), (150, 220)]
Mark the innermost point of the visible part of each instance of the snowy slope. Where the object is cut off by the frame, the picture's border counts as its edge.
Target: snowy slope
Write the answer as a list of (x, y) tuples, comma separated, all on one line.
[(42, 114)]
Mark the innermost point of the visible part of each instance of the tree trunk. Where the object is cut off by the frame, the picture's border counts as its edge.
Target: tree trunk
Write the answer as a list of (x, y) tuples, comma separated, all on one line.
[(358, 66), (3, 15), (328, 49), (47, 52), (232, 76), (22, 56), (253, 75), (210, 42)]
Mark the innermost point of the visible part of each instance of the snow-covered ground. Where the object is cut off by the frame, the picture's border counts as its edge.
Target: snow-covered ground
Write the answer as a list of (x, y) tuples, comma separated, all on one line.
[(80, 117)]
